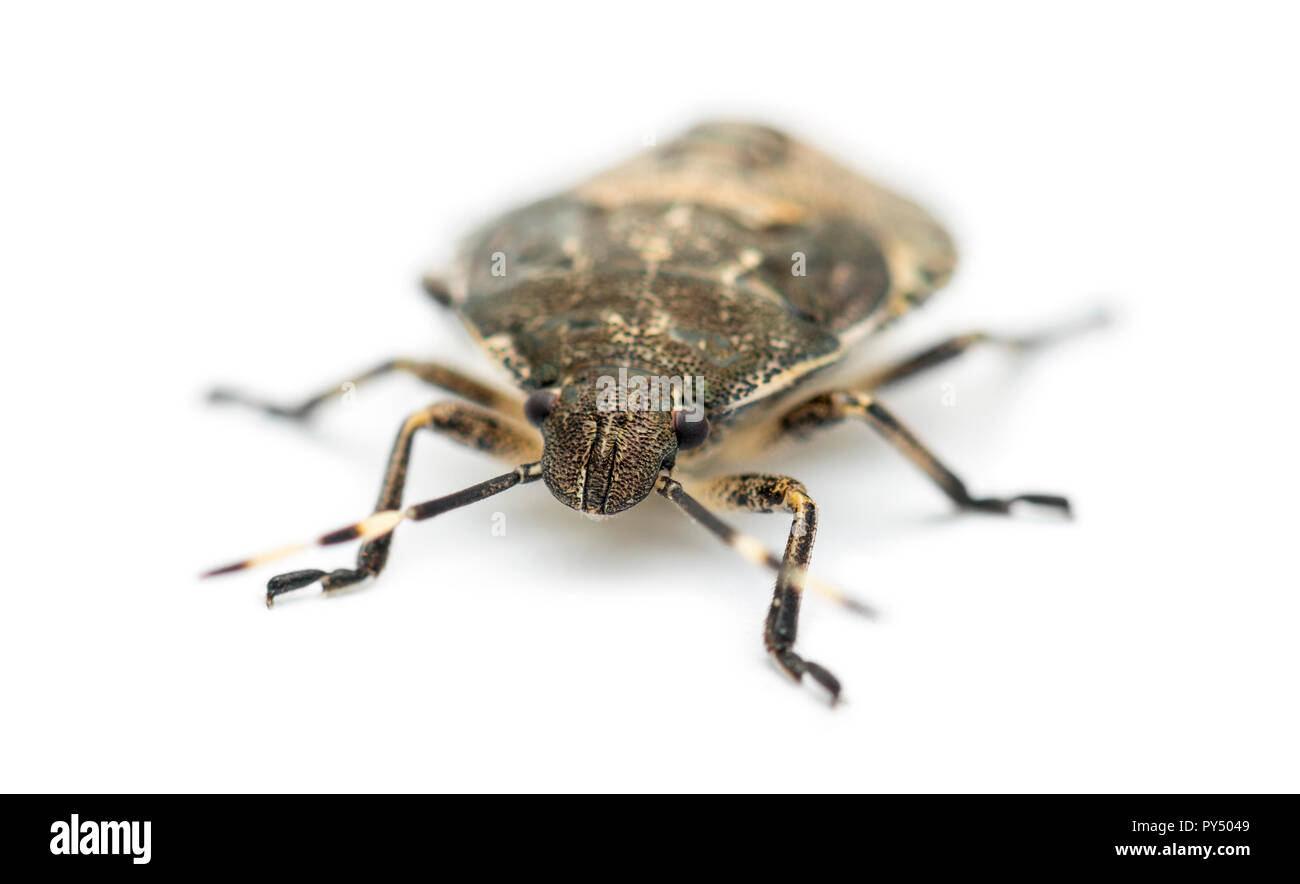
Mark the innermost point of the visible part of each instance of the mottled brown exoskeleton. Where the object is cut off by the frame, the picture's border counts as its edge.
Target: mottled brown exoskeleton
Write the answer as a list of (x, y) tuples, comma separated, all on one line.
[(733, 264)]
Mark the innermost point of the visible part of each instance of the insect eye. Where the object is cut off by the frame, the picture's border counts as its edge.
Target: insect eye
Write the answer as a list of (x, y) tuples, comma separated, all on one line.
[(538, 405), (691, 427)]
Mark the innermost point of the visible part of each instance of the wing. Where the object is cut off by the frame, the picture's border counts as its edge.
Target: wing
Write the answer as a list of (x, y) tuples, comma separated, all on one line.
[(869, 253), (733, 251)]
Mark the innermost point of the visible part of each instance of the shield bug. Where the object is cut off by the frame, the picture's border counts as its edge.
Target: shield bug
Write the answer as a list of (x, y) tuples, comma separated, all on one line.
[(668, 309)]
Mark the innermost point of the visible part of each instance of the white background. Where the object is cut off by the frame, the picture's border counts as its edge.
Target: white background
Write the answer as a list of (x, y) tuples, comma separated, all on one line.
[(246, 193)]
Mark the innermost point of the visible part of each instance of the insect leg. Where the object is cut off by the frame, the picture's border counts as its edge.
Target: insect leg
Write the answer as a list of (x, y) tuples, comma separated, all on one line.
[(433, 373), (830, 408), (959, 344), (436, 287), (766, 493), (466, 424), (469, 426)]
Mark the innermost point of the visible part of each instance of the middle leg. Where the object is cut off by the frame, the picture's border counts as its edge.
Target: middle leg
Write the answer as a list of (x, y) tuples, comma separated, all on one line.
[(831, 408)]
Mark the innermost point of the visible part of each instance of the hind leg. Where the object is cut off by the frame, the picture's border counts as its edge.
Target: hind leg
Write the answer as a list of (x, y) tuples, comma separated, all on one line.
[(955, 346), (433, 373)]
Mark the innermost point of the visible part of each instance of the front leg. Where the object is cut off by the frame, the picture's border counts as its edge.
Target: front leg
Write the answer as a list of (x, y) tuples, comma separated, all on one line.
[(466, 424), (765, 493), (831, 408)]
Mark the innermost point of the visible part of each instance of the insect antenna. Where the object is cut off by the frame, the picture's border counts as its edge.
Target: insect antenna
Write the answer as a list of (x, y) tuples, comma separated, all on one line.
[(753, 549), (383, 522)]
